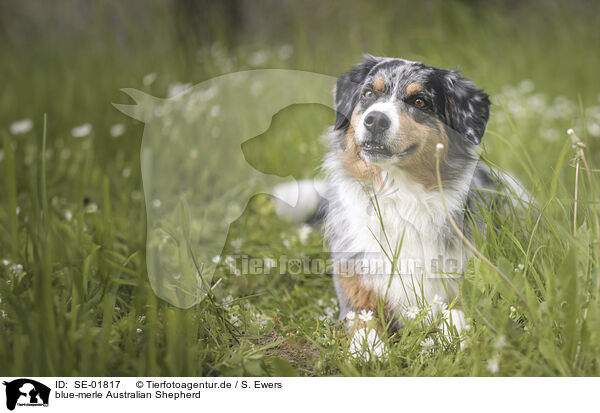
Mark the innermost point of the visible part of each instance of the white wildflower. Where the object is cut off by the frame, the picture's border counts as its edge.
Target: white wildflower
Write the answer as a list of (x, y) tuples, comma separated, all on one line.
[(216, 259), (412, 312), (5, 262), (500, 342), (149, 79), (593, 128), (68, 215), (269, 263), (21, 126), (215, 111), (286, 51), (206, 95), (304, 232), (527, 85), (287, 243), (570, 131), (177, 89), (492, 365), (16, 269), (156, 203), (256, 88), (117, 130), (427, 345), (139, 330), (81, 131), (258, 58), (351, 316), (91, 208), (365, 315), (229, 260), (237, 243)]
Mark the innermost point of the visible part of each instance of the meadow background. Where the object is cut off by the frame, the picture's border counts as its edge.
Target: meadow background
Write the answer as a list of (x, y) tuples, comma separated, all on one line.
[(74, 292)]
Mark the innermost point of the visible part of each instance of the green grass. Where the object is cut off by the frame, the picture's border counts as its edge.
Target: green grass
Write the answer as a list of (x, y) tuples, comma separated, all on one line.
[(76, 299)]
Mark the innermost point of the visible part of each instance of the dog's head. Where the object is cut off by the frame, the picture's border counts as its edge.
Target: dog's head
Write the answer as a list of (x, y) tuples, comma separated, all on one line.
[(394, 112)]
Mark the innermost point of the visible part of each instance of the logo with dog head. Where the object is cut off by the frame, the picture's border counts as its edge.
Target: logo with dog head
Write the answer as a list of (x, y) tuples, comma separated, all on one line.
[(26, 392)]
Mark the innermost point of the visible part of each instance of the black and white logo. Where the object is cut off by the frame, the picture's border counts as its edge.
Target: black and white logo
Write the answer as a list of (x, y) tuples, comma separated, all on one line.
[(26, 392)]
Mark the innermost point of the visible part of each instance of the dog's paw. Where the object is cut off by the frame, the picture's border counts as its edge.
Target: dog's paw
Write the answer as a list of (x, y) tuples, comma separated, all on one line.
[(453, 325), (366, 342)]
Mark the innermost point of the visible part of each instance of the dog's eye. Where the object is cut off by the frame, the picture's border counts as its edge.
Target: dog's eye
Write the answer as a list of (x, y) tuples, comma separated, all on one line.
[(420, 103), (368, 94)]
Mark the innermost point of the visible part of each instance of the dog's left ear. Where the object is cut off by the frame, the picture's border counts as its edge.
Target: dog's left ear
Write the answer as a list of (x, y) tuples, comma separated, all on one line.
[(467, 107)]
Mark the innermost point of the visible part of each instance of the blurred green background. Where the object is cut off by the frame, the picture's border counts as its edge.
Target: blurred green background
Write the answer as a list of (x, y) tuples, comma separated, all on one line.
[(75, 297)]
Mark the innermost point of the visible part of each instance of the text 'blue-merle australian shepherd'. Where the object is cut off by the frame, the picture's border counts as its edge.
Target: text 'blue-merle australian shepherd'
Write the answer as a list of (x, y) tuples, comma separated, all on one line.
[(390, 237)]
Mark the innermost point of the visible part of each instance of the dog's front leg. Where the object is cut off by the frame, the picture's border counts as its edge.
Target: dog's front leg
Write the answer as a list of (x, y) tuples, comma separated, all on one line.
[(358, 310), (454, 324)]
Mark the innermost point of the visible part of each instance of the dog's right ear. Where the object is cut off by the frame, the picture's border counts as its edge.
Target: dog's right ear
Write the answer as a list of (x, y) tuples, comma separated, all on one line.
[(347, 90)]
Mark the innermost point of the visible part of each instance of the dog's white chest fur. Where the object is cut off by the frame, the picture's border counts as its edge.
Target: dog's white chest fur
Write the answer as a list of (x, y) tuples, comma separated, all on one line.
[(402, 222)]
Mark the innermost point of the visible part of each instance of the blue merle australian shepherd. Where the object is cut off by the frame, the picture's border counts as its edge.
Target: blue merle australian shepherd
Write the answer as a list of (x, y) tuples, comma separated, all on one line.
[(385, 223)]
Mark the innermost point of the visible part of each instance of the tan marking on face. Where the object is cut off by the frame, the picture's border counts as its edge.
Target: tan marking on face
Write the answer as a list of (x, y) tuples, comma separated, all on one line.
[(414, 87), (357, 166), (419, 165), (378, 84)]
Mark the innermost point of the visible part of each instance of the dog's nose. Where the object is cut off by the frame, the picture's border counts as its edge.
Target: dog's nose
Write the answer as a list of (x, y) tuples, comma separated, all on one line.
[(377, 122)]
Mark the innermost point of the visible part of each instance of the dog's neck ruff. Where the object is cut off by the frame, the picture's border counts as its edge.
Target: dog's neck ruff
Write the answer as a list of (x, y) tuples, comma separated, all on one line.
[(391, 205)]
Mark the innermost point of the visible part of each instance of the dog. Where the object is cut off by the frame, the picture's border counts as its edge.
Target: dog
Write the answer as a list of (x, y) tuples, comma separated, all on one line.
[(383, 213)]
